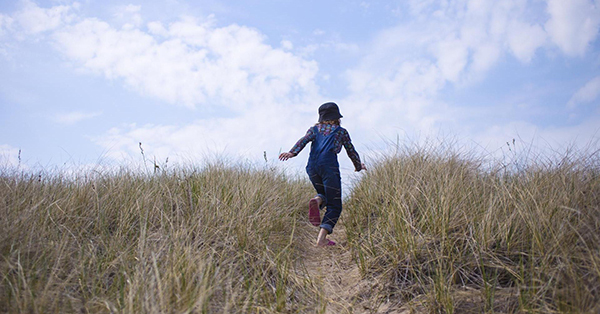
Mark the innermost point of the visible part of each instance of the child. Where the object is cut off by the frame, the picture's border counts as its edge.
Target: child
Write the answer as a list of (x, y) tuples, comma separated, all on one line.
[(327, 138)]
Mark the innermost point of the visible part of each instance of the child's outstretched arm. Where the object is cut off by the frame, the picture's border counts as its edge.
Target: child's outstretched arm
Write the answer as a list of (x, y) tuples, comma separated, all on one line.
[(347, 142), (310, 135)]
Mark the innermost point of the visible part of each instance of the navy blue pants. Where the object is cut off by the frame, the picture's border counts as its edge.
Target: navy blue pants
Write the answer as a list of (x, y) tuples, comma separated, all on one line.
[(325, 177)]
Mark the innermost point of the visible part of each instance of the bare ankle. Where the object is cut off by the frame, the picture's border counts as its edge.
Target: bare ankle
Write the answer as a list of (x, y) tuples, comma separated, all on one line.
[(319, 200), (322, 238)]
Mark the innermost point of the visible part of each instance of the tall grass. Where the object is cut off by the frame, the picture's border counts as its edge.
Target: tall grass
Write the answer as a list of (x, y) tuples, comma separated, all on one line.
[(445, 232), (430, 228), (214, 239)]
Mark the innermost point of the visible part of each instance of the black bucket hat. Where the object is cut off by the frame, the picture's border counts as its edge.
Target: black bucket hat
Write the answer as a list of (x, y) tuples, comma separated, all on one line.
[(329, 111)]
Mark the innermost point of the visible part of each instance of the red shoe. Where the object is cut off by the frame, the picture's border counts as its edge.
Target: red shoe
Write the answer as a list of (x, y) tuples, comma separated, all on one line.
[(313, 212)]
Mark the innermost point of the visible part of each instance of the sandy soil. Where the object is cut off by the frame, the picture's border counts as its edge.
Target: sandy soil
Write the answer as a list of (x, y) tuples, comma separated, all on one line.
[(338, 277)]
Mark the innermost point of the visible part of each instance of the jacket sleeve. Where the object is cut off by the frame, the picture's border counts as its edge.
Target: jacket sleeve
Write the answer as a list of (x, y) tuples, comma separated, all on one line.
[(347, 142), (301, 143)]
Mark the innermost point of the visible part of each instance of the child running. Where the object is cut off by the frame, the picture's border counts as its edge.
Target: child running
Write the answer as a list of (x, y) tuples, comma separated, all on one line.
[(323, 169)]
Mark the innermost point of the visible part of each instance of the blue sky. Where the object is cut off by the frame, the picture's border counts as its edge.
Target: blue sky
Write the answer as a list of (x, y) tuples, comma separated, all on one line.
[(82, 83)]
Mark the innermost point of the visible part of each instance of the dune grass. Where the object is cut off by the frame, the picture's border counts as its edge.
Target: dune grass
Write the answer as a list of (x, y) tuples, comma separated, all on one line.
[(431, 229), (215, 239), (446, 232)]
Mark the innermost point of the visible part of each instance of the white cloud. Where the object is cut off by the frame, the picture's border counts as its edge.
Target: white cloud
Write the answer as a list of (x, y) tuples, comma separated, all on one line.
[(535, 140), (468, 37), (586, 94), (34, 19), (268, 128), (9, 156), (130, 15), (573, 24), (462, 39), (130, 8), (525, 39), (5, 24), (485, 56), (287, 45), (394, 89), (188, 62), (74, 117), (157, 29), (423, 7), (330, 47), (446, 44), (452, 58), (191, 63)]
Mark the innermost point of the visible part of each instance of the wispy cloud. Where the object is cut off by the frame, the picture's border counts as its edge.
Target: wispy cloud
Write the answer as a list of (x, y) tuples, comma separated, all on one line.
[(573, 24), (130, 15), (242, 136), (192, 63), (5, 23), (586, 94), (33, 19), (452, 45), (74, 117), (395, 83)]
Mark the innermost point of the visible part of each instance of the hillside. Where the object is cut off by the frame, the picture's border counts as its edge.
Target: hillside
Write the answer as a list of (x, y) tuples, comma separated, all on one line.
[(424, 231)]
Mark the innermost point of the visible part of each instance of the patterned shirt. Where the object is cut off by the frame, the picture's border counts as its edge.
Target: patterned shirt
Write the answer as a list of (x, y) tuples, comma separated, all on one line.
[(341, 138)]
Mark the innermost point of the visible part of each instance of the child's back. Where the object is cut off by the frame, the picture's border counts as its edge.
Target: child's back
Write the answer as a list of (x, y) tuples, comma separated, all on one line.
[(327, 139)]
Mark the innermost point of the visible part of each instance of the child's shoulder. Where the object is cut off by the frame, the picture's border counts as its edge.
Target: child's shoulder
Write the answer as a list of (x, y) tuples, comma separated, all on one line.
[(342, 129), (323, 126)]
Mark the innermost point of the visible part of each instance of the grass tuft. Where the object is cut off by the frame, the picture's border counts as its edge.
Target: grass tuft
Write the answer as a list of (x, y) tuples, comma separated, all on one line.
[(203, 240), (457, 235)]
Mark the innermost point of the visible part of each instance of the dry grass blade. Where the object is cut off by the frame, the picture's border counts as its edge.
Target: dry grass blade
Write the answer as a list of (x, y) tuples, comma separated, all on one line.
[(209, 239), (475, 238)]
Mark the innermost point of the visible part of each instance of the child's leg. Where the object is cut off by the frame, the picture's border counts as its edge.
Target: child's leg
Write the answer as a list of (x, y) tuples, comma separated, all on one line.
[(333, 193), (314, 205), (317, 182)]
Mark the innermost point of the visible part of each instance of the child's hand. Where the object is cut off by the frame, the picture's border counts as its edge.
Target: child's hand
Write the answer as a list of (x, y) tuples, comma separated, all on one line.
[(285, 156), (362, 167)]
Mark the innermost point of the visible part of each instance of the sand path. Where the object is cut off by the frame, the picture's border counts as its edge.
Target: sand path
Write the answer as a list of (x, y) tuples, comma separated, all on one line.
[(337, 276), (333, 270)]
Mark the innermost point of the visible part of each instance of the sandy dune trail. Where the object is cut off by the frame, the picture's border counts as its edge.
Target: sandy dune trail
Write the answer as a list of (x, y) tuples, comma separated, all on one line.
[(333, 271), (342, 289), (336, 275)]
